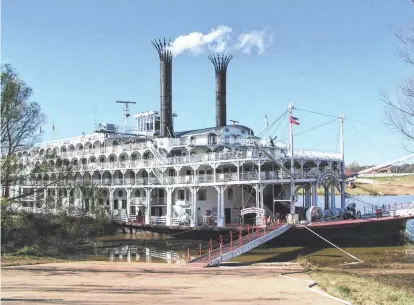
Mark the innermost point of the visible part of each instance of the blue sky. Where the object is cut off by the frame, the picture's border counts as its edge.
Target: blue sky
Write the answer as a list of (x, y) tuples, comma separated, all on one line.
[(328, 56)]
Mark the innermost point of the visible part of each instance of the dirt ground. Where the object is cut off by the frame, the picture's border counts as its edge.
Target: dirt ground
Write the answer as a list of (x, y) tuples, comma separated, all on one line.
[(139, 283)]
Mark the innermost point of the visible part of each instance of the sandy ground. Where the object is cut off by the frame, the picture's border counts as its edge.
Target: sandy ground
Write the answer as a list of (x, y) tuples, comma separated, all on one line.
[(139, 283)]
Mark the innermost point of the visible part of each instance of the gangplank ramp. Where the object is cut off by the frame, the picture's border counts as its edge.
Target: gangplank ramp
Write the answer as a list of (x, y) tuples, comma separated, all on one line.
[(239, 246)]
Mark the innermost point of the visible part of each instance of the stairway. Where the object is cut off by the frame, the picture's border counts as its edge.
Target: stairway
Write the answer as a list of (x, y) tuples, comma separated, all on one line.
[(239, 246), (159, 174), (160, 161), (157, 154)]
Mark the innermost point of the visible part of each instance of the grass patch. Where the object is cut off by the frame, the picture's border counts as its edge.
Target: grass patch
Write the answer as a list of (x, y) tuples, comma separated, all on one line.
[(22, 259), (367, 289)]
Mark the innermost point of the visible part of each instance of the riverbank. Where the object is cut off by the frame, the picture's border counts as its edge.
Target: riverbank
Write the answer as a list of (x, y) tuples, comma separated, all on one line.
[(386, 186), (393, 186), (391, 285)]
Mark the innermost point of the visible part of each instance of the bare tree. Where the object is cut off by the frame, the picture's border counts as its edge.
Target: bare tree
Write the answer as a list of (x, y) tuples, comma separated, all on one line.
[(400, 111), (21, 121)]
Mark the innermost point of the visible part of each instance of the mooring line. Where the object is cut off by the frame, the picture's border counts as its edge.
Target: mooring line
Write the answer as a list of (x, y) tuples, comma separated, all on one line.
[(313, 284), (361, 261)]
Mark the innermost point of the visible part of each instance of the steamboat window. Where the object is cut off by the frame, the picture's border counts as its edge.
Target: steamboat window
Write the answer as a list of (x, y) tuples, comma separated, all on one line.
[(202, 195), (188, 172), (101, 201), (230, 194), (201, 172), (120, 193), (124, 204), (137, 193), (212, 139), (115, 204), (181, 195), (133, 210)]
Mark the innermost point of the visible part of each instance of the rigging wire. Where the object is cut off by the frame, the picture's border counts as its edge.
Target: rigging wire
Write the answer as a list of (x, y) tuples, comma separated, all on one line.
[(313, 128), (364, 123), (367, 141), (271, 125), (280, 123), (285, 132), (319, 113)]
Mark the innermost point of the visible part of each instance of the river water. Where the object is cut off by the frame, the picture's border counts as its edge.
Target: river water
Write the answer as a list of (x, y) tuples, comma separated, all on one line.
[(135, 248)]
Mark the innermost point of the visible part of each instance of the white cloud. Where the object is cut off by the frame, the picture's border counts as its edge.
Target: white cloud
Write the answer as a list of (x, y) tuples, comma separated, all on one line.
[(216, 40), (219, 40), (260, 40)]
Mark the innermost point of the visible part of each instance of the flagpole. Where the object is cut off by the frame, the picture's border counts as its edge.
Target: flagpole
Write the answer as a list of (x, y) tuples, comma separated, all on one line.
[(292, 164), (343, 184)]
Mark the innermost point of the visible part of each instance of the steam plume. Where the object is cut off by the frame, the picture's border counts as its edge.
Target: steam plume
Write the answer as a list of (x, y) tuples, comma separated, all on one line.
[(218, 40)]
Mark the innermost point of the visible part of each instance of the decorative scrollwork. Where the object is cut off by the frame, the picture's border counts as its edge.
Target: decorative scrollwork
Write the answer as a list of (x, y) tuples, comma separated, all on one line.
[(327, 178), (305, 186)]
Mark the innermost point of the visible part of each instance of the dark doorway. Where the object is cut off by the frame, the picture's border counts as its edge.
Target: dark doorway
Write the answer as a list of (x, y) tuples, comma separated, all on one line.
[(227, 215), (249, 219)]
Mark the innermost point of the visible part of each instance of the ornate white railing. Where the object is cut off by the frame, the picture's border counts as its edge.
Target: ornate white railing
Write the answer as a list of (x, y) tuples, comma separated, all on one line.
[(182, 180), (158, 220)]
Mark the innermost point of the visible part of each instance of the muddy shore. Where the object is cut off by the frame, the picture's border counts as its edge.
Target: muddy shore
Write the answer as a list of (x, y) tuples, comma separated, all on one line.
[(140, 283)]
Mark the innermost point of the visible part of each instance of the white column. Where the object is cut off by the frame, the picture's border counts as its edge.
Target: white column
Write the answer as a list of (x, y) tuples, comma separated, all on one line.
[(261, 196), (111, 201), (222, 204), (214, 173), (314, 194), (307, 197), (128, 206), (257, 188), (220, 218), (148, 209), (169, 192), (332, 197), (194, 204)]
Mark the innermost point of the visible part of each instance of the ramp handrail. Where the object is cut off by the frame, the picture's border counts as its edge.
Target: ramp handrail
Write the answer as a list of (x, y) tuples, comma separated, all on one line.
[(236, 243)]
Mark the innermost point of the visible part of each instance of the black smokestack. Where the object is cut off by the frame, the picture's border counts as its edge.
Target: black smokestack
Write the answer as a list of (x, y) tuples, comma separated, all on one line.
[(220, 62), (165, 54)]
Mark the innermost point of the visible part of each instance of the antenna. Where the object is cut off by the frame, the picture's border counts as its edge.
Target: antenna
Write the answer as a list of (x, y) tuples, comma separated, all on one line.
[(126, 111)]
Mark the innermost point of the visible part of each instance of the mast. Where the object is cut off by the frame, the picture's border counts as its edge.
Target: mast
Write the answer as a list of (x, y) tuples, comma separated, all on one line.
[(292, 163), (343, 184)]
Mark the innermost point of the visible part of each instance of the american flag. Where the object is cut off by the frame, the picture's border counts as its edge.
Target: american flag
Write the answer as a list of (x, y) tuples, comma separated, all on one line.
[(294, 120)]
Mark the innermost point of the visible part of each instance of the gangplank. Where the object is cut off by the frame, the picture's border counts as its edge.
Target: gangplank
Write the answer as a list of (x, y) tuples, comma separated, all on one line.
[(239, 246)]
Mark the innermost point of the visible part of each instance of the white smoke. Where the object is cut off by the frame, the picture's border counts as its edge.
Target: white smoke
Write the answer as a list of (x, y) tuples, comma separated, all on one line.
[(219, 40), (195, 42), (260, 40)]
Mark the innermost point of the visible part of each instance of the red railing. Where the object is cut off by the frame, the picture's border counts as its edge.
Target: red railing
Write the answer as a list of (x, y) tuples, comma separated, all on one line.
[(252, 234)]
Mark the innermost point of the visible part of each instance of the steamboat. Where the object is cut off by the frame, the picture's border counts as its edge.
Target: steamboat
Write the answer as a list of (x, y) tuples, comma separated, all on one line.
[(202, 183)]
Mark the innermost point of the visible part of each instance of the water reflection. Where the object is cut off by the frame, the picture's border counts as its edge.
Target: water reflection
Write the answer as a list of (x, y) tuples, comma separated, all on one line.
[(132, 253)]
